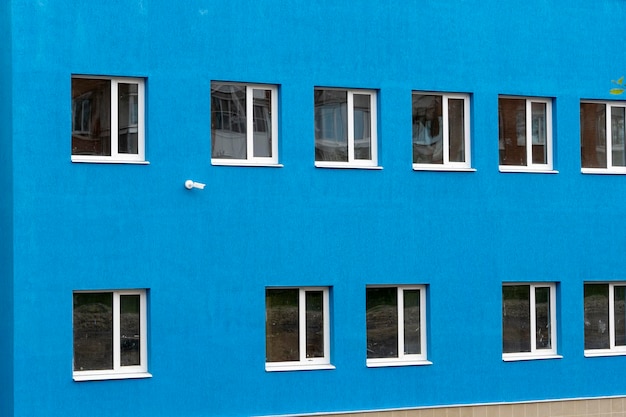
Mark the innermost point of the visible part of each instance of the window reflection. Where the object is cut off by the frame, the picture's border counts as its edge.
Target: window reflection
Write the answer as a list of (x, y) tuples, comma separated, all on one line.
[(282, 325), (128, 118), (597, 316), (93, 331), (515, 318), (593, 135), (512, 131), (382, 322), (91, 117), (427, 129), (228, 121), (331, 125)]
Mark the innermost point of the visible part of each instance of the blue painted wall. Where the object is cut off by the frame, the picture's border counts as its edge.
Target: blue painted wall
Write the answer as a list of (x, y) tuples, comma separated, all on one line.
[(6, 214), (207, 256)]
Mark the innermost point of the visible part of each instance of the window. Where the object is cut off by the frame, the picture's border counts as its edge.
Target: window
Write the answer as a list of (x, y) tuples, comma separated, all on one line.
[(528, 321), (441, 134), (110, 335), (108, 119), (525, 134), (605, 319), (244, 124), (396, 325), (602, 137), (345, 128), (297, 329)]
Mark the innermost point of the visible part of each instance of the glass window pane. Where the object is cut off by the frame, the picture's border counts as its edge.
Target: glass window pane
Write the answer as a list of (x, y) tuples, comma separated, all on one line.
[(382, 322), (619, 315), (282, 325), (412, 340), (262, 107), (515, 318), (593, 135), (362, 126), (512, 131), (543, 335), (128, 109), (456, 127), (617, 136), (597, 316), (228, 121), (91, 117), (539, 130), (314, 301), (427, 129), (93, 331), (331, 125), (130, 336)]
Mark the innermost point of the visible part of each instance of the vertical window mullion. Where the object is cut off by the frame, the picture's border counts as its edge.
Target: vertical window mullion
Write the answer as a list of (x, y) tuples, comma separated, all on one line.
[(114, 119), (143, 330), (373, 127), (350, 114), (249, 122), (274, 121), (529, 133), (533, 320), (445, 129), (400, 323), (553, 341), (116, 331), (302, 324), (141, 129), (611, 313), (326, 312)]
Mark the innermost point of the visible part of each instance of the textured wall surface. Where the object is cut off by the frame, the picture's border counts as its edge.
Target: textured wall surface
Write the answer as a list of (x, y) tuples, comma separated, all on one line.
[(207, 256)]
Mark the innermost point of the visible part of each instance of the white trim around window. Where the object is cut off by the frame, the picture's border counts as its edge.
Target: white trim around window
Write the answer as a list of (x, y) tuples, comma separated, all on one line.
[(297, 323), (346, 128), (529, 321), (402, 342), (244, 124), (448, 148), (90, 316), (602, 137), (108, 129), (525, 139)]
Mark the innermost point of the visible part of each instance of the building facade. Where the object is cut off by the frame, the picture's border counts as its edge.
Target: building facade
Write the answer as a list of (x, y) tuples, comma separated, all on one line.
[(291, 208)]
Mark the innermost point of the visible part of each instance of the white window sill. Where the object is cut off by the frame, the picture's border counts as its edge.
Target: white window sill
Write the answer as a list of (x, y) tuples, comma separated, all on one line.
[(243, 163), (435, 167), (595, 353), (603, 171), (321, 164), (528, 170), (395, 362), (107, 160), (297, 367), (529, 357), (89, 376)]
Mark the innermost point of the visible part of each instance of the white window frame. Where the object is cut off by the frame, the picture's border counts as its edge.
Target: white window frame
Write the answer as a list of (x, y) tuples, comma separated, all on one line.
[(547, 168), (305, 363), (448, 165), (405, 359), (613, 350), (251, 160), (610, 169), (116, 157), (371, 163), (118, 371), (534, 352)]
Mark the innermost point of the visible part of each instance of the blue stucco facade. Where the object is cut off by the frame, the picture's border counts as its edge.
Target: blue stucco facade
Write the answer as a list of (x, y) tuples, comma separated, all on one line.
[(206, 256)]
